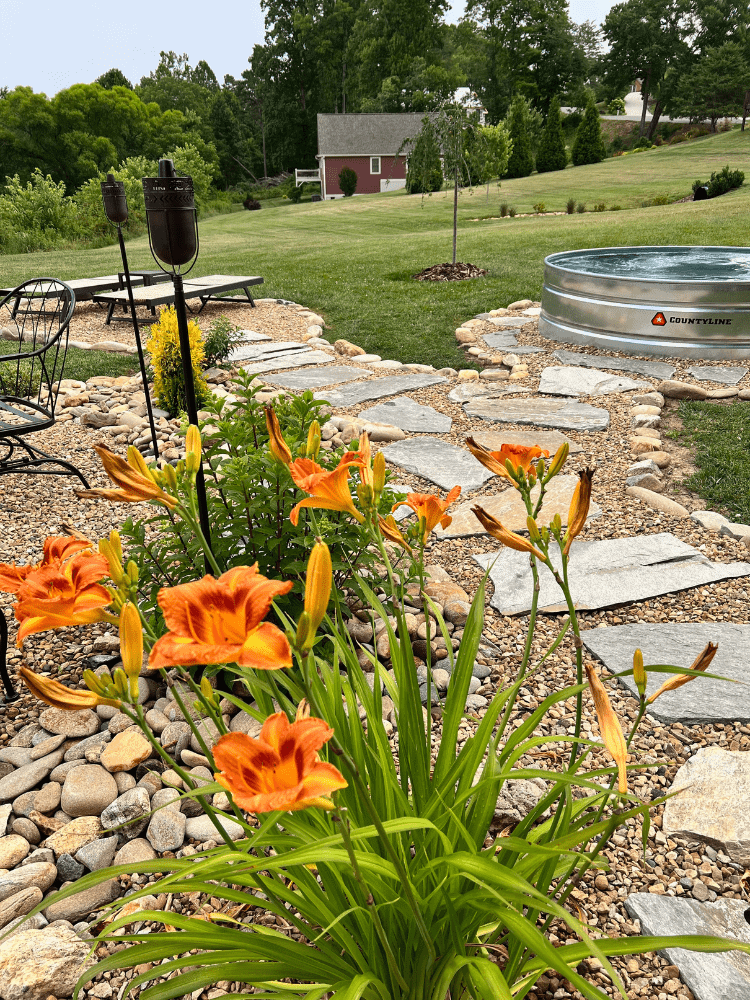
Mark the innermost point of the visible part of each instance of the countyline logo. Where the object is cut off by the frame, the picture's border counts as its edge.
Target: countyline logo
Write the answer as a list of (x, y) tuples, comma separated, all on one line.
[(661, 320)]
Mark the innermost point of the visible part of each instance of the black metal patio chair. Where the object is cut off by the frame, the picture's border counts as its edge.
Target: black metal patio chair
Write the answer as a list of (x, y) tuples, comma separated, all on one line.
[(34, 322)]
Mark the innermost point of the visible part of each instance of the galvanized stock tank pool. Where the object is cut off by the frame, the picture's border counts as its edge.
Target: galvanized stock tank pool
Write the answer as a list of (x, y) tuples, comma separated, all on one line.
[(691, 302)]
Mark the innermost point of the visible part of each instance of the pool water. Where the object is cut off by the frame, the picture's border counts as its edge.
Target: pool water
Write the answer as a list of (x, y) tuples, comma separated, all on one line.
[(661, 263)]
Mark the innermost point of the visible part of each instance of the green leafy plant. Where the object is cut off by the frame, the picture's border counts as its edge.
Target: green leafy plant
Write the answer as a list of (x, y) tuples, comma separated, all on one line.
[(580, 207), (521, 160), (588, 146), (503, 209), (512, 211), (424, 173), (164, 347), (348, 181), (600, 206), (552, 154), (725, 180), (616, 106), (294, 194), (218, 341), (570, 206), (539, 207), (615, 208)]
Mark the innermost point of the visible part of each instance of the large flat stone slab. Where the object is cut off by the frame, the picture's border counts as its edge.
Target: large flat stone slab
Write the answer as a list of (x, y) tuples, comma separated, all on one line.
[(714, 787), (564, 415), (509, 508), (438, 462), (315, 378), (510, 322), (547, 440), (252, 337), (606, 573), (700, 701), (490, 390), (651, 369), (255, 351), (501, 340), (724, 976), (562, 381), (713, 373), (406, 413), (379, 388), (294, 360)]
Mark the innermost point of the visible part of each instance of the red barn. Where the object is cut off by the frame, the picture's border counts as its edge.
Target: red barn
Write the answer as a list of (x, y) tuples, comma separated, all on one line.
[(369, 144)]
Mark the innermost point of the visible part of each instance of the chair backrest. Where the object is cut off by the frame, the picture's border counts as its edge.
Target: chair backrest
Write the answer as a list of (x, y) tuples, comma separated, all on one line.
[(34, 322)]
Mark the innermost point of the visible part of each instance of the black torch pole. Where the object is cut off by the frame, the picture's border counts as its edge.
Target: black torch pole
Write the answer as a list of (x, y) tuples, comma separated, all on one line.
[(139, 345), (190, 403)]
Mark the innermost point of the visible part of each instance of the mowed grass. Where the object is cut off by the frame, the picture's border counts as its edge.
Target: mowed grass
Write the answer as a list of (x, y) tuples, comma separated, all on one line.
[(720, 436), (352, 259)]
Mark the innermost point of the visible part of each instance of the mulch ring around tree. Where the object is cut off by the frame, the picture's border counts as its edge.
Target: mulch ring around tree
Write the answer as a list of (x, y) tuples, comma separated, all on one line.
[(450, 272)]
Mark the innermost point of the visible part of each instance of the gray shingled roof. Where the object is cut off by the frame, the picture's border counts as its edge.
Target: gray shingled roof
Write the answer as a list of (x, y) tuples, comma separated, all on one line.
[(361, 135)]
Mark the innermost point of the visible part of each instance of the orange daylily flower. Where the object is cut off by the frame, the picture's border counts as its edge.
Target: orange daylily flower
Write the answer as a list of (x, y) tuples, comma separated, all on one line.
[(328, 490), (430, 509), (609, 726), (280, 770), (221, 621), (57, 549), (133, 478), (519, 456), (58, 696), (701, 662), (579, 508), (509, 538), (276, 443), (68, 593), (390, 530)]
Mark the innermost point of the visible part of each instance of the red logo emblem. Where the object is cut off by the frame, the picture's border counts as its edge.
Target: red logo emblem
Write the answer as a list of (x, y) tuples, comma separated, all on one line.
[(659, 320)]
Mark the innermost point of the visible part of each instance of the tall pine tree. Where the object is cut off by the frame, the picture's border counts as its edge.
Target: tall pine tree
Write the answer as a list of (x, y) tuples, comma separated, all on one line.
[(552, 154), (520, 162), (588, 146)]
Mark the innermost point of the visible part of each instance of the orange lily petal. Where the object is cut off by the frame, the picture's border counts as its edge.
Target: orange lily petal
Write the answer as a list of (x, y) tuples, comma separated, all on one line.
[(509, 538), (609, 726), (701, 662), (579, 507), (58, 696), (328, 490), (519, 456)]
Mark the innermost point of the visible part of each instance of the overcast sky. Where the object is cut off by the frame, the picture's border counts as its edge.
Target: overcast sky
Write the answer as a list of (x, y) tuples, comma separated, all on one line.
[(49, 45)]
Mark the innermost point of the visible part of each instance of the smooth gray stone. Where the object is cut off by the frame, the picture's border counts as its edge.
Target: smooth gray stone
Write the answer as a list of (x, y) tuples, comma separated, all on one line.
[(564, 415), (602, 574), (712, 373), (500, 341), (528, 349), (559, 381), (651, 369), (251, 337), (406, 413), (379, 388), (28, 776), (310, 378), (438, 462), (506, 322), (295, 361), (270, 350), (724, 976), (702, 700), (489, 390)]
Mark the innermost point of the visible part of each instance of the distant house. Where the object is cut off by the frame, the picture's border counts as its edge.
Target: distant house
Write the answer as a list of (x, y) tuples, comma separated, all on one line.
[(369, 144)]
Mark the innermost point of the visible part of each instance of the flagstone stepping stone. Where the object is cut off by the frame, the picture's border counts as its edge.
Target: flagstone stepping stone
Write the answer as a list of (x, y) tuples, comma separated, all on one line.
[(582, 382), (272, 349), (252, 337), (508, 507), (724, 976), (468, 390), (406, 413), (529, 349), (500, 340), (565, 415), (703, 700), (295, 360), (651, 369), (714, 787), (393, 385), (547, 440), (311, 378), (505, 322), (712, 373), (438, 462), (606, 573)]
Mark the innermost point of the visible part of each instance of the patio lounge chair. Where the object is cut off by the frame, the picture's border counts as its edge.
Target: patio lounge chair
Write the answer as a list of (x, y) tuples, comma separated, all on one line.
[(211, 287)]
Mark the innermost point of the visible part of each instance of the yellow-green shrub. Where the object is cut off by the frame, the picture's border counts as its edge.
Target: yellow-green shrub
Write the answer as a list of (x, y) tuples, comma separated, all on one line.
[(164, 348)]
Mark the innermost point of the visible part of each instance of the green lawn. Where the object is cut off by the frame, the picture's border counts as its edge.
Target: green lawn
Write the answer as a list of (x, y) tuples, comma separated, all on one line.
[(351, 260), (720, 436)]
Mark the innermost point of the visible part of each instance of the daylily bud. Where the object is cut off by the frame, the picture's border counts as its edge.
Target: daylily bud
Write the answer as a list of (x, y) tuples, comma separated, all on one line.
[(390, 530), (276, 443), (170, 477), (193, 449), (639, 674), (555, 525), (131, 645), (378, 474), (317, 588), (121, 683), (113, 557), (303, 711), (533, 527), (180, 467), (313, 440), (558, 460), (701, 662), (303, 639), (494, 527), (132, 571), (609, 726), (209, 695), (58, 696), (540, 468), (139, 463), (579, 507)]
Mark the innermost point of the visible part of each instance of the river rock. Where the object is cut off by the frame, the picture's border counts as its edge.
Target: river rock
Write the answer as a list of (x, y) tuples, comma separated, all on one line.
[(19, 904), (58, 721), (37, 964), (41, 875), (29, 776), (80, 905), (13, 849), (201, 828), (125, 752), (658, 502), (681, 390), (98, 854), (166, 830), (134, 852), (130, 808), (68, 869), (78, 751), (74, 835), (88, 790)]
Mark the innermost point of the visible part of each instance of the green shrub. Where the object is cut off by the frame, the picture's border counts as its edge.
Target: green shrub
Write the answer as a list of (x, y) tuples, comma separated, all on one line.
[(725, 180), (512, 212), (615, 208), (539, 207), (616, 106), (643, 143), (552, 153), (219, 340), (570, 206), (295, 194), (588, 146), (503, 209), (36, 215), (600, 207), (520, 161), (347, 181), (580, 208), (164, 348)]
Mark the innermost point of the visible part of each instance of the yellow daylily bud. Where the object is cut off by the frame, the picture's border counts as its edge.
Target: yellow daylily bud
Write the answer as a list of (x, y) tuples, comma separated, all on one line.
[(131, 645), (276, 443), (139, 463), (559, 459), (534, 533), (639, 674), (317, 588), (193, 449), (313, 440), (303, 711), (378, 474), (701, 662), (540, 468), (110, 553), (58, 696), (170, 478), (579, 507), (132, 571), (498, 530), (609, 726), (180, 467), (209, 695), (121, 683)]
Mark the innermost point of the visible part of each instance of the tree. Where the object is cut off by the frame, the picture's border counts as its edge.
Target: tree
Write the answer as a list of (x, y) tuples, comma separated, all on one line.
[(520, 161), (348, 181), (113, 78), (588, 145), (424, 173), (552, 153), (715, 87)]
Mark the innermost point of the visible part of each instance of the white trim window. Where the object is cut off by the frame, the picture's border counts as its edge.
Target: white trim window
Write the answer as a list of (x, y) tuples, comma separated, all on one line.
[(374, 164)]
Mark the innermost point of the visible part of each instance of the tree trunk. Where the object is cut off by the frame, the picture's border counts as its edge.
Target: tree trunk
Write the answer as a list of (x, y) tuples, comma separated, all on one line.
[(455, 209), (263, 134), (658, 108), (644, 98)]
